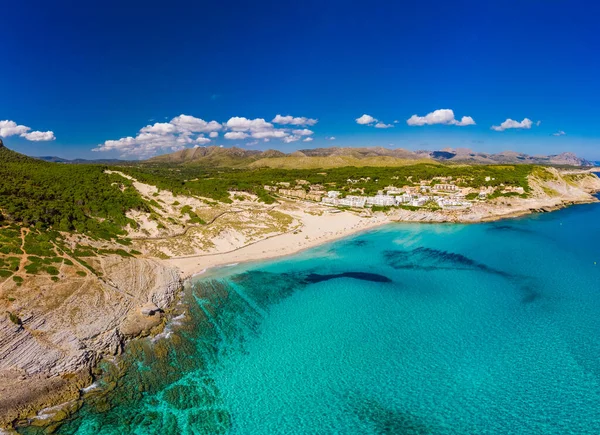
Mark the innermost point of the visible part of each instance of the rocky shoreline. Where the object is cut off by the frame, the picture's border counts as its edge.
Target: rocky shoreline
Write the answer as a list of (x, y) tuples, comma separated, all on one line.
[(50, 357), (46, 360)]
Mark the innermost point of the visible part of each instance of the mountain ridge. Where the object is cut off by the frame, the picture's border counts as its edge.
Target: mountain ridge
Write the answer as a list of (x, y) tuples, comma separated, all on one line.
[(236, 157), (337, 156), (56, 159)]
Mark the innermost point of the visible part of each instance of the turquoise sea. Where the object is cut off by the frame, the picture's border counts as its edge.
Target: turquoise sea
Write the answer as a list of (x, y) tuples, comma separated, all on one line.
[(409, 329)]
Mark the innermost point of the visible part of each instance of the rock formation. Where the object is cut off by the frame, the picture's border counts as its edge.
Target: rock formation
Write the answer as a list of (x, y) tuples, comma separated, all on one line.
[(47, 356)]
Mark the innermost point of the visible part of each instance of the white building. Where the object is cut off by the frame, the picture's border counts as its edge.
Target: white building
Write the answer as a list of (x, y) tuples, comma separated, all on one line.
[(333, 194), (353, 201), (419, 202), (329, 201), (404, 199), (381, 200), (453, 203)]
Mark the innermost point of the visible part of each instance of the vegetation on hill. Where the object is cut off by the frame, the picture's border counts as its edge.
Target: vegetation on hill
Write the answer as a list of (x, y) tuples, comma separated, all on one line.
[(335, 157), (216, 183), (8, 156), (207, 183), (64, 197), (85, 199)]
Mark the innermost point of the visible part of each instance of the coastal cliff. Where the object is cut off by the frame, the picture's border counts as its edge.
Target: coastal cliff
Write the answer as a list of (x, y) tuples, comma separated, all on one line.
[(47, 353)]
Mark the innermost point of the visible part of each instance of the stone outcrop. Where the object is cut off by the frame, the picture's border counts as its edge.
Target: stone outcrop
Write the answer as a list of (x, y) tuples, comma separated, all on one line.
[(47, 356)]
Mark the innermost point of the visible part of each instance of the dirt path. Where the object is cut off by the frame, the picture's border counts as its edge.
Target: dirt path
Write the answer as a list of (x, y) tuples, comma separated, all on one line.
[(24, 257), (190, 226), (110, 285)]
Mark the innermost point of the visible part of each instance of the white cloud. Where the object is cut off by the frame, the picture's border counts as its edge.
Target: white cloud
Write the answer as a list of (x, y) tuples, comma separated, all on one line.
[(239, 123), (559, 133), (11, 128), (372, 122), (289, 139), (270, 134), (308, 139), (510, 123), (236, 135), (303, 132), (396, 121), (202, 140), (39, 136), (365, 120), (464, 121), (290, 120), (440, 116), (538, 123), (159, 128), (181, 131), (125, 143), (194, 125), (185, 130), (257, 128), (330, 138)]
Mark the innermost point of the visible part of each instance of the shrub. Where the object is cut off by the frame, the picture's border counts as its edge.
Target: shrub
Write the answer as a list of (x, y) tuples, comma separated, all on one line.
[(14, 318), (52, 270)]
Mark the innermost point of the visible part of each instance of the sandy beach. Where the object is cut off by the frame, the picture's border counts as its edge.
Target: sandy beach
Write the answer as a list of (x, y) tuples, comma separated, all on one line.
[(313, 231)]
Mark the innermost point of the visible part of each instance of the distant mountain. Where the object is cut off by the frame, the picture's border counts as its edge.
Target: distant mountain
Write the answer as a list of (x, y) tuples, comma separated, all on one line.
[(337, 156), (360, 153), (55, 159), (216, 156), (464, 155)]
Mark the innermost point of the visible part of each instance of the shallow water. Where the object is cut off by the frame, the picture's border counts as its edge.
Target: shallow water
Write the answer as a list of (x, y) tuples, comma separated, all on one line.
[(409, 329)]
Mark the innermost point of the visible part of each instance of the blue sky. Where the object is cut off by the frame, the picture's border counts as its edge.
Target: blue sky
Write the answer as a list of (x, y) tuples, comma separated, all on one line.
[(92, 72)]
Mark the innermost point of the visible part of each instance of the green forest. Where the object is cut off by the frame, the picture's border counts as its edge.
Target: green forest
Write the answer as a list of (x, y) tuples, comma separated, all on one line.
[(216, 183), (85, 199), (78, 198)]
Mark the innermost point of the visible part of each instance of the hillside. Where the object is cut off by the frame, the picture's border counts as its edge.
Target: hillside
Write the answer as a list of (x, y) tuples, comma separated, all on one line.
[(10, 156), (64, 197), (71, 285), (213, 156), (334, 157)]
